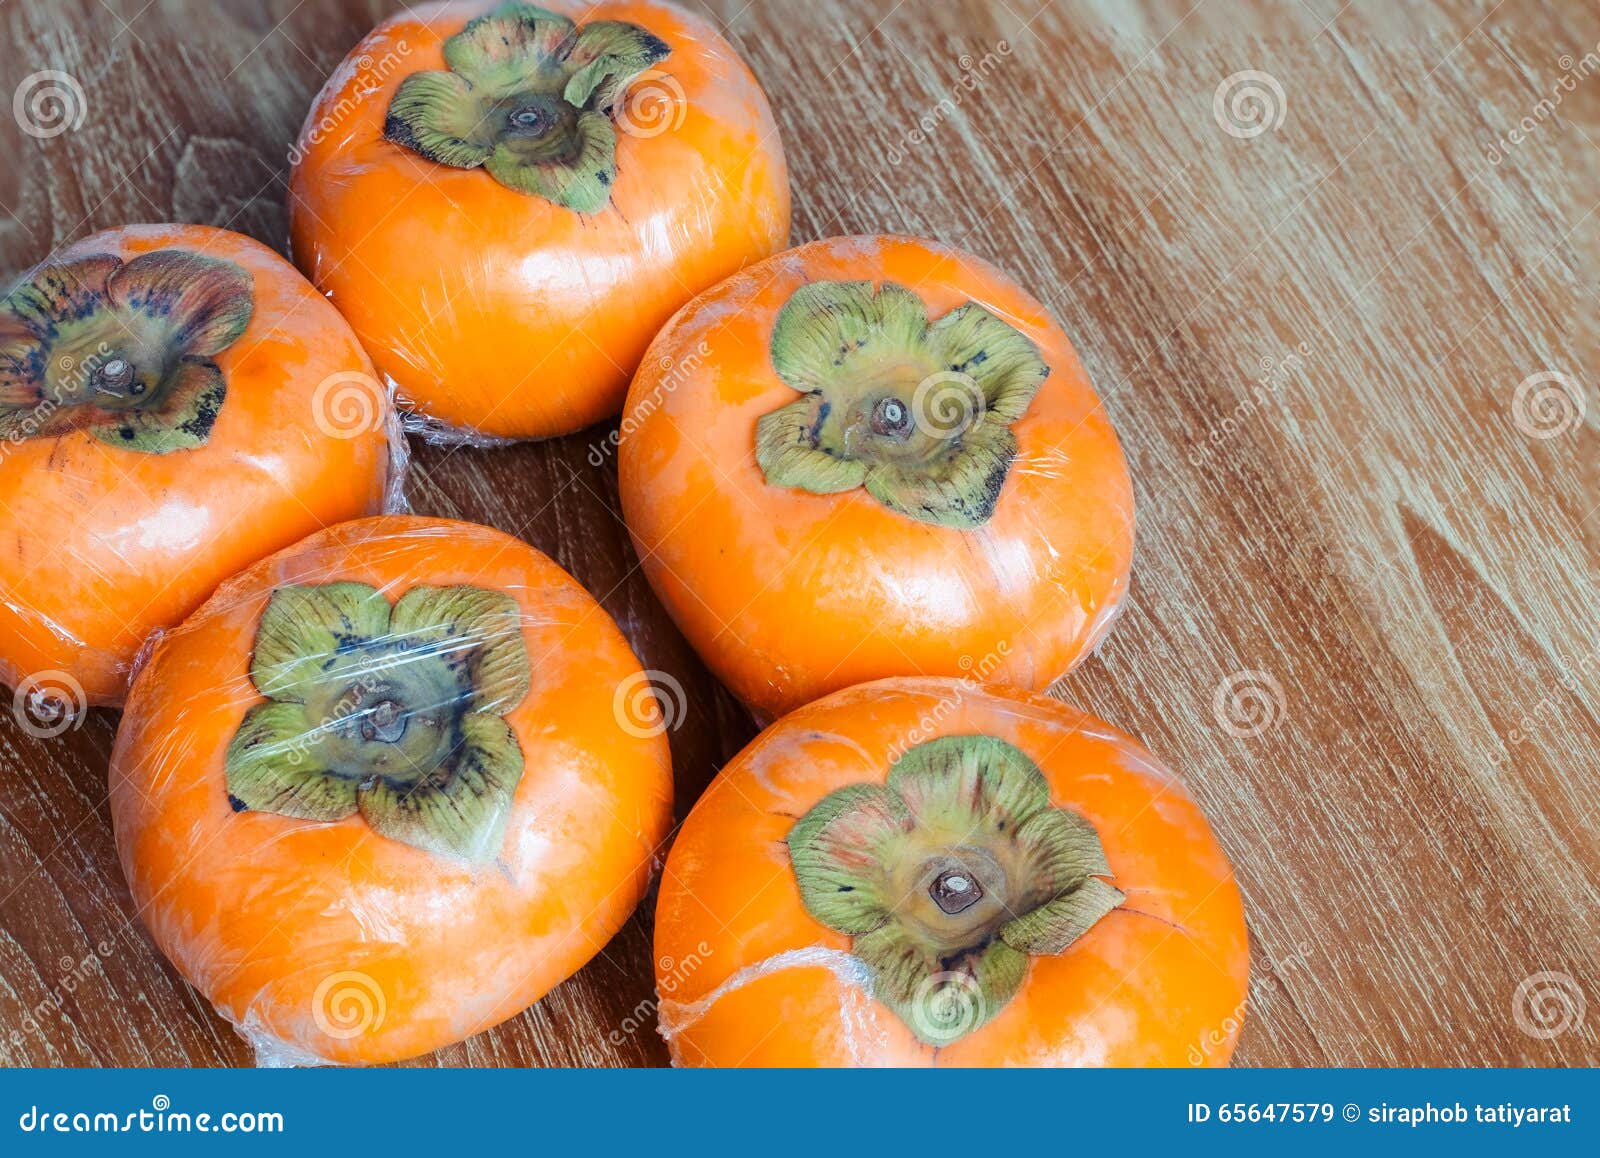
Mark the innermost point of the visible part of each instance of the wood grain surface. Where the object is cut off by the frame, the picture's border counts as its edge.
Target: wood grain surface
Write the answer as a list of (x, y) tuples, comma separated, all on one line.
[(1350, 346)]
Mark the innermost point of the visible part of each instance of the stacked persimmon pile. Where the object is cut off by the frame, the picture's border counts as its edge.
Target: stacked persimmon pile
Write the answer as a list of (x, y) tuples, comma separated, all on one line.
[(374, 758)]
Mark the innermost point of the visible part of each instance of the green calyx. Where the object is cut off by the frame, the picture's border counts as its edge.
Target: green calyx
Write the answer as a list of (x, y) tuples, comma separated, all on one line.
[(949, 877), (122, 350), (528, 96), (919, 414), (393, 712)]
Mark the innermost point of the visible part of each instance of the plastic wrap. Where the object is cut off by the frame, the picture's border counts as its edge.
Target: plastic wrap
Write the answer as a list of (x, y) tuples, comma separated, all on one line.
[(386, 788), (874, 456), (808, 917), (176, 402), (506, 283)]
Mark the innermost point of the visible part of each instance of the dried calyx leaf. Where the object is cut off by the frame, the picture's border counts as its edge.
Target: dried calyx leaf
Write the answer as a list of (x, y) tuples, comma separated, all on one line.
[(393, 712), (919, 414), (123, 351), (949, 876), (528, 97)]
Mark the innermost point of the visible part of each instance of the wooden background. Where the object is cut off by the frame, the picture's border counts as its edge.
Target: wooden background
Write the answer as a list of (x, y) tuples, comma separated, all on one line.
[(1311, 340)]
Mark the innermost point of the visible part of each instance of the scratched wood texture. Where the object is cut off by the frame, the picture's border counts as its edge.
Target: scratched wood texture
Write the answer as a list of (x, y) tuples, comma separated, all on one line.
[(1364, 623)]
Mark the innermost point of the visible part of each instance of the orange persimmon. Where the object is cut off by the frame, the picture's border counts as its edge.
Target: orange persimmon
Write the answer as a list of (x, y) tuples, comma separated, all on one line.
[(874, 456), (377, 794), (176, 402), (508, 200), (930, 872)]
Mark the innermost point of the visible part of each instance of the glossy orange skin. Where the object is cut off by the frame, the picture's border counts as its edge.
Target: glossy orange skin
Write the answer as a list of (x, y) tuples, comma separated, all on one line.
[(789, 595), (100, 546), (1160, 981), (502, 313), (259, 910)]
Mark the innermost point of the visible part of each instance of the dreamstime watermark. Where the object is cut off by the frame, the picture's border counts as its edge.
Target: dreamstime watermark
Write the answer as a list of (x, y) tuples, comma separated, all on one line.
[(72, 376), (348, 1004), (1548, 1004), (48, 703), (648, 703), (654, 104), (671, 974), (349, 404), (376, 73), (350, 706), (158, 1118), (975, 72), (28, 424), (74, 972), (1248, 103), (947, 1006), (1548, 404), (1248, 703), (674, 373), (975, 675), (946, 404), (1575, 675), (1275, 374), (49, 103), (1224, 1033), (1573, 71)]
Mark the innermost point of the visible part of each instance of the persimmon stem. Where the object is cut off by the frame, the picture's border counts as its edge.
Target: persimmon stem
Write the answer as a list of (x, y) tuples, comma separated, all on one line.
[(531, 120), (891, 417), (954, 890), (385, 722), (115, 376)]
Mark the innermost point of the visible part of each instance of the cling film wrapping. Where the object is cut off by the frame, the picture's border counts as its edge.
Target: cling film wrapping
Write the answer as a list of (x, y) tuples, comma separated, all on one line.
[(918, 872), (508, 200), (176, 402), (377, 794)]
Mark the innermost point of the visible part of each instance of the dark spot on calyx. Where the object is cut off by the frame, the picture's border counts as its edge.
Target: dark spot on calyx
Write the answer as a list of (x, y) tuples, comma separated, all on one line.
[(205, 415), (400, 133), (992, 484), (814, 433)]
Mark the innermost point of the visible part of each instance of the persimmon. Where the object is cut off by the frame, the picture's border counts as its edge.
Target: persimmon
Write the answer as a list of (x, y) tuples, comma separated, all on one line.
[(874, 456), (507, 201), (931, 872), (376, 795), (166, 419)]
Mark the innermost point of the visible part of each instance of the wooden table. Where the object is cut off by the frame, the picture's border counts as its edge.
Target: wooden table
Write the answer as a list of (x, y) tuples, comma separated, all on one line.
[(1344, 331)]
